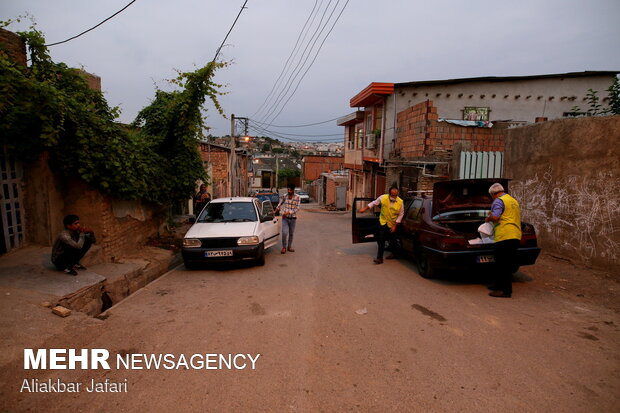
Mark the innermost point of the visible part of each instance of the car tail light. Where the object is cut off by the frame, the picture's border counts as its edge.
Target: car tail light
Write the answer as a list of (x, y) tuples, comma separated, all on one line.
[(452, 243), (529, 240)]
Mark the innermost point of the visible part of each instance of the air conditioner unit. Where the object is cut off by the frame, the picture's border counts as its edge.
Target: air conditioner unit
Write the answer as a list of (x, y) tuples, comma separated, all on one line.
[(371, 141)]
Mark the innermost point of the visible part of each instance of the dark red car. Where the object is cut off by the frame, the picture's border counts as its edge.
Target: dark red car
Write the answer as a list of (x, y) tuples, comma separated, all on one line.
[(436, 230)]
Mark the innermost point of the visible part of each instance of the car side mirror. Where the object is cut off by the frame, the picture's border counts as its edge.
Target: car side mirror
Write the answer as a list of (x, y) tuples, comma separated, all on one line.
[(192, 220)]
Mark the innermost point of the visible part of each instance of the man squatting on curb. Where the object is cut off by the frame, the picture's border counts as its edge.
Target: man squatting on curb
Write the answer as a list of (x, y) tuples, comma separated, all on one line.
[(288, 206), (71, 245), (392, 212)]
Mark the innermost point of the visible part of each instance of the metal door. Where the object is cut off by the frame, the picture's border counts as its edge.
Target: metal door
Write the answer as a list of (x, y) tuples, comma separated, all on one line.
[(10, 204)]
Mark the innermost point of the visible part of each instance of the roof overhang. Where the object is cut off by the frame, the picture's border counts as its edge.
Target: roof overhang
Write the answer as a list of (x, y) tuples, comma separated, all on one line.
[(372, 94), (509, 78), (351, 119)]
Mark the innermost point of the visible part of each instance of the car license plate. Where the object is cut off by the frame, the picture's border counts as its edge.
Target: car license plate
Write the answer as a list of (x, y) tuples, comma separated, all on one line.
[(485, 258), (221, 253)]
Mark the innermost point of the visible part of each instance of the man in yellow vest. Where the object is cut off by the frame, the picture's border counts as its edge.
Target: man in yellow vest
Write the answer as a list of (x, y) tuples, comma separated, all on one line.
[(392, 212), (506, 216)]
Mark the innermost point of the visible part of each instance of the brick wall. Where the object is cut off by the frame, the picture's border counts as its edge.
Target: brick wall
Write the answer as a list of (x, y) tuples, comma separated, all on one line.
[(315, 165), (14, 46), (218, 159), (120, 226), (330, 193), (420, 134)]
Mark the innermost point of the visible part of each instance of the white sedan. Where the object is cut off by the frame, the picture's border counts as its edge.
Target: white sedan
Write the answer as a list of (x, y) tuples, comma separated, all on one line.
[(231, 229)]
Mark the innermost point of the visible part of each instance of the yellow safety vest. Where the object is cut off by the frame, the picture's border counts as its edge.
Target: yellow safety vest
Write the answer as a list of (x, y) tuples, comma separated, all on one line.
[(509, 225), (389, 210)]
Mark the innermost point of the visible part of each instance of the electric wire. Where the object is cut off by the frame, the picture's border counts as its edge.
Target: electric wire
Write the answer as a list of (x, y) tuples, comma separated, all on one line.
[(284, 68), (298, 126), (267, 132), (92, 28), (311, 63), (302, 61), (304, 135), (231, 27)]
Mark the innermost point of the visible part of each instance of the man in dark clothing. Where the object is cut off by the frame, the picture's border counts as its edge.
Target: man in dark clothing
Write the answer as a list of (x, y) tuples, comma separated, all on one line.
[(201, 199), (71, 245)]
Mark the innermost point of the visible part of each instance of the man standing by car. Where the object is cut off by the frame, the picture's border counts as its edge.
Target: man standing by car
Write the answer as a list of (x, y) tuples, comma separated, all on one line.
[(506, 215), (392, 212), (288, 208)]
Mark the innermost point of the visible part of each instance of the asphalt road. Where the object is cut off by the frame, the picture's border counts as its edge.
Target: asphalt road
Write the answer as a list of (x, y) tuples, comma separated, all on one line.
[(337, 333)]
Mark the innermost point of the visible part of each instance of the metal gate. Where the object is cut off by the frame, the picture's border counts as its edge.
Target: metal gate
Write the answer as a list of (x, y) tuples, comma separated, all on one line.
[(481, 165), (10, 204)]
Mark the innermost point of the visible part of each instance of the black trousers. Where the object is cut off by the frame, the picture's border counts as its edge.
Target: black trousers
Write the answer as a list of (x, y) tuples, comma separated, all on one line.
[(506, 261), (72, 256), (385, 234)]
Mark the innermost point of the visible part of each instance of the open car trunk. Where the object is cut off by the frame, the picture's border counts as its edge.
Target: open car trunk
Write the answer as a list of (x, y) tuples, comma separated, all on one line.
[(467, 229)]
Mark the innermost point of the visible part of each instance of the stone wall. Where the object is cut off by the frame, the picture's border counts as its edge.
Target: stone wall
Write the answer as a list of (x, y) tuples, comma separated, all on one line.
[(567, 178)]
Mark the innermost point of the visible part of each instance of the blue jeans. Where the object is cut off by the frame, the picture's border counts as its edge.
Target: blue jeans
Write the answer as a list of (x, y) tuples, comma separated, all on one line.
[(288, 229)]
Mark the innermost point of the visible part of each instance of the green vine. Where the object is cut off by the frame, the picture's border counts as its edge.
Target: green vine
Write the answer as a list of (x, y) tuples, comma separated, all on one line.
[(49, 107)]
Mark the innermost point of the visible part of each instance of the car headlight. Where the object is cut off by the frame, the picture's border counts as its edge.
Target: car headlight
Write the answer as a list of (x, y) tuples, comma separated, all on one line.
[(253, 240), (191, 242)]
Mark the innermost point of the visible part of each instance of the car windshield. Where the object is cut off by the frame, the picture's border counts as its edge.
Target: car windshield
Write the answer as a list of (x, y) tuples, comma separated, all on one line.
[(302, 193), (462, 215), (273, 198), (228, 212)]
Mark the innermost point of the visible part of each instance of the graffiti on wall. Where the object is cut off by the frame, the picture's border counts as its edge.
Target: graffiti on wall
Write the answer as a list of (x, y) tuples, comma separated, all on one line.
[(579, 213)]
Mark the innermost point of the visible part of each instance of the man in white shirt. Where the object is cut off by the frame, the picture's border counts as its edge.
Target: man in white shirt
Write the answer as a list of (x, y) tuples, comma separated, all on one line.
[(392, 212)]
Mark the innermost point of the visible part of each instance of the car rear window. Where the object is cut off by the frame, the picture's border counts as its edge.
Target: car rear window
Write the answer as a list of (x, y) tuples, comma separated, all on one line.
[(228, 212)]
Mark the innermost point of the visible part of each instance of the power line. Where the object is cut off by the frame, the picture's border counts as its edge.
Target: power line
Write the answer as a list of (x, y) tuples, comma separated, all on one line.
[(92, 28), (284, 68), (302, 60), (311, 63), (231, 27), (297, 126), (268, 132)]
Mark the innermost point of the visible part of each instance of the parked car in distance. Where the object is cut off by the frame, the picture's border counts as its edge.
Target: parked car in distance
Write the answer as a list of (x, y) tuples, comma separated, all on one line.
[(303, 196), (436, 231), (272, 197), (231, 229)]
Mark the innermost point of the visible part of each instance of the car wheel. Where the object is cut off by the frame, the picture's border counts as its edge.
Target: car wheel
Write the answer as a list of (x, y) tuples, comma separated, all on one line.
[(425, 269), (260, 261), (189, 265)]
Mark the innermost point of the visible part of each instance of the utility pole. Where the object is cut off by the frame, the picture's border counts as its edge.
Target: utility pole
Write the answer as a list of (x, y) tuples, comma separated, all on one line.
[(234, 187), (277, 170), (231, 167)]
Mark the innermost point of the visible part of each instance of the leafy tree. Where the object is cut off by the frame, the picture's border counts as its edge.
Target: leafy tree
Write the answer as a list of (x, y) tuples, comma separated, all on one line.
[(289, 173), (614, 97), (49, 107)]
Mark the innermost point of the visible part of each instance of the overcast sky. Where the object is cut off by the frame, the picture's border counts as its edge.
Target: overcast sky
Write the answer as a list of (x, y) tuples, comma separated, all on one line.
[(373, 41)]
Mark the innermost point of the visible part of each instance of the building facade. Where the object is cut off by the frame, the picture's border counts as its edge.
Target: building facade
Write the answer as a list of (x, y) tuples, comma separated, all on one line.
[(411, 134)]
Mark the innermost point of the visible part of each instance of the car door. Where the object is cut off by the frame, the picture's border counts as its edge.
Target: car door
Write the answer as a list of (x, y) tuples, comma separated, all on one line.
[(365, 226), (411, 225), (269, 224)]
